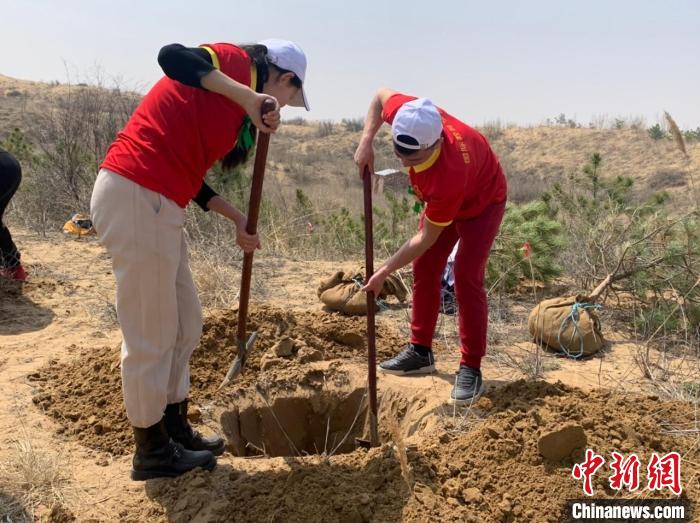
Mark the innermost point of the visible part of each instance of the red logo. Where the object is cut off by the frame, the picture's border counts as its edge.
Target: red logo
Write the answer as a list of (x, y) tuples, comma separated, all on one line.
[(625, 472), (665, 472), (662, 472), (584, 471)]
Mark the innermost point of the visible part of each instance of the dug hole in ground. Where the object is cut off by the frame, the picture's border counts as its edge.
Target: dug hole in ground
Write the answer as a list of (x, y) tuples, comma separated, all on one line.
[(291, 420)]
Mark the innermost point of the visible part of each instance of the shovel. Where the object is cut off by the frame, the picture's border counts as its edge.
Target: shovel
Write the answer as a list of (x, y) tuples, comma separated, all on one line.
[(245, 344), (371, 346)]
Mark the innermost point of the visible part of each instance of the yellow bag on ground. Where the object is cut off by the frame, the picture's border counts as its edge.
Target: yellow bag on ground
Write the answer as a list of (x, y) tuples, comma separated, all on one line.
[(568, 325), (79, 225), (342, 292)]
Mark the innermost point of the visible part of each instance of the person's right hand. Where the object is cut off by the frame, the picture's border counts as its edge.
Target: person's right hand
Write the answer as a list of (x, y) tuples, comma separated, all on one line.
[(268, 123), (364, 157)]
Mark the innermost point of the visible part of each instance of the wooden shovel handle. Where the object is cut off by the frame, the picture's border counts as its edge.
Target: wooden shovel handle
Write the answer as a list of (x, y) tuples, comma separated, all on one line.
[(371, 335), (252, 222)]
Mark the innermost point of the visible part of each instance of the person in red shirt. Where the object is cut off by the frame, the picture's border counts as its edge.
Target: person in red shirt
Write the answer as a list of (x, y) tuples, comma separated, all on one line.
[(205, 109), (456, 175)]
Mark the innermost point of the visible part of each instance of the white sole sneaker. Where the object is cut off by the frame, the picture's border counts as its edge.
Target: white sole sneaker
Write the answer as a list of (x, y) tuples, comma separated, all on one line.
[(468, 401), (423, 370)]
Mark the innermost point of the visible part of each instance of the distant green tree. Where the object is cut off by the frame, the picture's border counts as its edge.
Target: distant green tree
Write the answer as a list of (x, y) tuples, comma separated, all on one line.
[(656, 132)]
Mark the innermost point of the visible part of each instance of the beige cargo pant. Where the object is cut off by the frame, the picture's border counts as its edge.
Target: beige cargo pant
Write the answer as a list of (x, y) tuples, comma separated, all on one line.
[(157, 304)]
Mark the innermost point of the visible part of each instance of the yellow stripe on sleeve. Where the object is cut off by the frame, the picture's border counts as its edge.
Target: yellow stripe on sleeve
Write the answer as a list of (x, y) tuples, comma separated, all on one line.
[(214, 58), (439, 224), (253, 77)]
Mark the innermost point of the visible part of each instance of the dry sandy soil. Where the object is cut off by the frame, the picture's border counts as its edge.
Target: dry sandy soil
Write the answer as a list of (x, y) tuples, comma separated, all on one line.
[(291, 421)]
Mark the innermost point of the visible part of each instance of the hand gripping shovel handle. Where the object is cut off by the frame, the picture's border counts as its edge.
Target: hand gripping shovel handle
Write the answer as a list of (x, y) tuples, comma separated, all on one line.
[(243, 344), (371, 347)]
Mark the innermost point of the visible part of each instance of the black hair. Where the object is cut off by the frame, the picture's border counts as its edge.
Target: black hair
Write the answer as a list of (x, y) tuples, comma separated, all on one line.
[(258, 57), (409, 140)]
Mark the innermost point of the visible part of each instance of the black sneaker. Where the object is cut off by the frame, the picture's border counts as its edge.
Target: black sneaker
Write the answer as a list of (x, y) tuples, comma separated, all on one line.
[(409, 361), (468, 386)]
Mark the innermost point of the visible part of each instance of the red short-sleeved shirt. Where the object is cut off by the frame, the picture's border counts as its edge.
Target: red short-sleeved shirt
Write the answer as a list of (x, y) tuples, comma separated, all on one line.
[(177, 132), (461, 178)]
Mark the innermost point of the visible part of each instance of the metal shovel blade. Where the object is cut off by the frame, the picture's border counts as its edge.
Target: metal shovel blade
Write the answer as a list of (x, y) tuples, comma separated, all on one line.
[(238, 363)]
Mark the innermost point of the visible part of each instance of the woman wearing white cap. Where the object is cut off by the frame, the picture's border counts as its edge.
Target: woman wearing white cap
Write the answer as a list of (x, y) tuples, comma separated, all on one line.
[(454, 172), (202, 111)]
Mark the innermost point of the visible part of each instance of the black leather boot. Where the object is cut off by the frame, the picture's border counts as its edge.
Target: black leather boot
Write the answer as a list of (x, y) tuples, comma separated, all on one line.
[(157, 456), (180, 430)]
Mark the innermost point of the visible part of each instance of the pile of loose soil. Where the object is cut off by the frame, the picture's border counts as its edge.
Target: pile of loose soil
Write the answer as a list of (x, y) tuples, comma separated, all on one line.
[(292, 350), (508, 458), (487, 467), (515, 463), (286, 342)]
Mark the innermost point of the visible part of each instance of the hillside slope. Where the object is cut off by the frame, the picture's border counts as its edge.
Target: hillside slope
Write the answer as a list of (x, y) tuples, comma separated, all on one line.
[(316, 157)]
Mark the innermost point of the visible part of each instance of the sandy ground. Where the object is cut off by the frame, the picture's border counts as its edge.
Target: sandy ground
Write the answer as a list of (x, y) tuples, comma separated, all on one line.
[(66, 309)]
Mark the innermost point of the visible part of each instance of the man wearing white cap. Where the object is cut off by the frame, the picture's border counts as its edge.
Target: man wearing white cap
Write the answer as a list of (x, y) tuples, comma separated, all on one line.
[(456, 175), (205, 109)]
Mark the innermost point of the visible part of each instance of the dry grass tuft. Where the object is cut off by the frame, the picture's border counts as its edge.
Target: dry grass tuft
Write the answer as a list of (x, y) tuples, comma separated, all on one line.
[(30, 478), (217, 277), (397, 437), (680, 142), (676, 133)]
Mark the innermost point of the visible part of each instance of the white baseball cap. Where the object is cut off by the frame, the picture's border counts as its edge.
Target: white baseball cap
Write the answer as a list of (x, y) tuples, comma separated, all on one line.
[(420, 120), (289, 56)]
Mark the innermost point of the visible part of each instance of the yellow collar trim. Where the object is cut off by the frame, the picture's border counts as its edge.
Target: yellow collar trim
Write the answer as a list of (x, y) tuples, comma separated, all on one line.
[(429, 162), (253, 77)]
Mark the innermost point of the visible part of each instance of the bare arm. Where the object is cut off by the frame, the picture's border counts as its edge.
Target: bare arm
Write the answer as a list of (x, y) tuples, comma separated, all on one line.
[(217, 82), (409, 251), (247, 242), (222, 207), (194, 67), (364, 155)]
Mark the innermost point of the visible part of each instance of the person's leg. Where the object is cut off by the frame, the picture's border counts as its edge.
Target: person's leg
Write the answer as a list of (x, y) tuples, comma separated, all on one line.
[(189, 312), (142, 232), (427, 279), (476, 239), (10, 178), (418, 358)]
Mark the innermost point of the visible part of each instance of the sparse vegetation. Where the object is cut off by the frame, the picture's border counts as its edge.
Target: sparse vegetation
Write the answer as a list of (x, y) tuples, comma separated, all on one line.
[(60, 152), (31, 477), (656, 132), (353, 125), (652, 255), (574, 226), (298, 120), (562, 121), (492, 129), (325, 128)]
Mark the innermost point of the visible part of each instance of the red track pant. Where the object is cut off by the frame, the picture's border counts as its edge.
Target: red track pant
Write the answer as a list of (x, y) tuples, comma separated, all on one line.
[(476, 238)]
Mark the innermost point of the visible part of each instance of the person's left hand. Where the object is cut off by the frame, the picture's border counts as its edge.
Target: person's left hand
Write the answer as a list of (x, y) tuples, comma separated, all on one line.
[(376, 282), (247, 242), (272, 119)]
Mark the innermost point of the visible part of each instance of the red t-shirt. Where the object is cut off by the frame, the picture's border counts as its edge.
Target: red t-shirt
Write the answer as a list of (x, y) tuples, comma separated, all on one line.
[(177, 132), (461, 178)]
